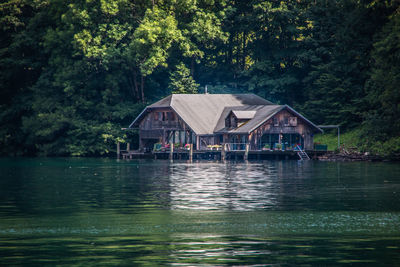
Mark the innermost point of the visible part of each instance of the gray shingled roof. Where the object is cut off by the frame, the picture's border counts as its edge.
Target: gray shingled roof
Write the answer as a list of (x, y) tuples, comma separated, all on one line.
[(163, 103), (205, 113), (262, 113), (220, 127)]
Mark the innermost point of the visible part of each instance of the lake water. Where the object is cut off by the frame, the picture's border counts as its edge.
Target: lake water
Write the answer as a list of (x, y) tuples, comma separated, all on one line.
[(103, 212)]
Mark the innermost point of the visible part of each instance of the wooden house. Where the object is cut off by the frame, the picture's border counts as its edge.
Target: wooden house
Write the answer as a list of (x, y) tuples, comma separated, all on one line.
[(210, 120)]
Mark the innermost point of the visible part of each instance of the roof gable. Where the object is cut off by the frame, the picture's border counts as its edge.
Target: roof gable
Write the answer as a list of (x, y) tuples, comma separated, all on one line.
[(163, 103), (262, 115), (220, 126)]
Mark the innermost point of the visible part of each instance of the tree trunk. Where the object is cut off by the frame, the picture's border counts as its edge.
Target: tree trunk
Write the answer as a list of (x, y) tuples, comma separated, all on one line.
[(244, 51), (192, 66), (142, 86), (238, 51), (230, 50), (135, 81), (131, 87)]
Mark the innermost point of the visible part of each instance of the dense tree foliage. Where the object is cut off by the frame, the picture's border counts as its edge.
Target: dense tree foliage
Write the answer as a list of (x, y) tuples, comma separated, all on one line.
[(181, 82), (72, 73)]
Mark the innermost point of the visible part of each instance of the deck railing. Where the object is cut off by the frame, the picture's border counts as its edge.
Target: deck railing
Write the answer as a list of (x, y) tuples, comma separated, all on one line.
[(235, 146), (165, 124)]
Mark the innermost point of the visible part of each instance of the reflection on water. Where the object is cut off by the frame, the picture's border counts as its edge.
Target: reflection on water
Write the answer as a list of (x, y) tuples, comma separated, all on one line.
[(210, 186), (283, 185), (199, 250), (107, 212)]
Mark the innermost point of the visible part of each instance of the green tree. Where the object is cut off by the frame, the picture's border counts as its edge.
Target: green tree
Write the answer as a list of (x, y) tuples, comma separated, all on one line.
[(382, 118), (340, 48), (278, 49), (21, 63), (72, 73), (79, 96), (151, 41), (181, 82), (86, 63)]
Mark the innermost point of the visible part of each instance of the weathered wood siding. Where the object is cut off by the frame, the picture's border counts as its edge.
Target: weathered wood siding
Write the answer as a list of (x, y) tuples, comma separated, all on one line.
[(231, 121), (161, 119), (163, 124), (283, 122)]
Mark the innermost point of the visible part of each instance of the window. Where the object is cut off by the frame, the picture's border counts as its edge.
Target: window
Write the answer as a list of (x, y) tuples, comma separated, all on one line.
[(228, 122), (233, 122), (286, 121), (276, 122), (293, 121)]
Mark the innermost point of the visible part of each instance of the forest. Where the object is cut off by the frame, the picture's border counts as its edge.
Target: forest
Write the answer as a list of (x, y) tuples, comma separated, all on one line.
[(73, 73)]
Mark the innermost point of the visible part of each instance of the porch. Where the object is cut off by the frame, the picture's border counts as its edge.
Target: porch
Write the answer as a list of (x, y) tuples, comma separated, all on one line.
[(267, 142), (228, 151)]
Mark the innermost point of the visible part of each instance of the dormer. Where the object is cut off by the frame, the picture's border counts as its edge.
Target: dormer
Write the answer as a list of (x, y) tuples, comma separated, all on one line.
[(237, 118)]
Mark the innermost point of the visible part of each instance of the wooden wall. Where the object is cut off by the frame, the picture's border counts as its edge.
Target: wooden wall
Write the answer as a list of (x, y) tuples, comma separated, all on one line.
[(286, 123), (163, 124)]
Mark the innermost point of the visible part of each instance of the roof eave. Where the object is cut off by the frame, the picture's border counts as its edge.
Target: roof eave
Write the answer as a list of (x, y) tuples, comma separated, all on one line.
[(266, 119), (138, 117)]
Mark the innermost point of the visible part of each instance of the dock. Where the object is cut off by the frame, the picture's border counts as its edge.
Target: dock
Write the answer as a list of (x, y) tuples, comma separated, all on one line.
[(219, 155)]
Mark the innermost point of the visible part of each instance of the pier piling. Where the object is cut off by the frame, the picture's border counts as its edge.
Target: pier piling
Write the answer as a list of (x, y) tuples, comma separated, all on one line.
[(223, 153), (171, 151), (246, 152), (191, 153)]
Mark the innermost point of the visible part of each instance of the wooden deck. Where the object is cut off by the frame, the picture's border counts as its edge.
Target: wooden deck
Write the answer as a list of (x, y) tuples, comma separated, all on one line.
[(218, 155)]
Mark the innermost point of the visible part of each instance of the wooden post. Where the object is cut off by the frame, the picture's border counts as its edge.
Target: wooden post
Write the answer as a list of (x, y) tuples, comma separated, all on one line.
[(223, 152), (191, 152), (118, 150), (163, 139), (128, 147), (141, 148), (246, 152), (171, 150)]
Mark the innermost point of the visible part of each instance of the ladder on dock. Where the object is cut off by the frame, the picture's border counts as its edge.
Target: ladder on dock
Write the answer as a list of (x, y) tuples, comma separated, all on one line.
[(302, 154)]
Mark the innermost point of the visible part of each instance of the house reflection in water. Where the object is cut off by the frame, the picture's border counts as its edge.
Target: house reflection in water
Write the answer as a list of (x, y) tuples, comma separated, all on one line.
[(212, 186)]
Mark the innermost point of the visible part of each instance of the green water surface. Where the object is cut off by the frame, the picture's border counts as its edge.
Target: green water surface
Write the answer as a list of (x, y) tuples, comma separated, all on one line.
[(102, 212)]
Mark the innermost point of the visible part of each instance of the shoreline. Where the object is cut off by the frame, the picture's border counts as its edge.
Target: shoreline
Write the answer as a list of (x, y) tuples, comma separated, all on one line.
[(354, 155)]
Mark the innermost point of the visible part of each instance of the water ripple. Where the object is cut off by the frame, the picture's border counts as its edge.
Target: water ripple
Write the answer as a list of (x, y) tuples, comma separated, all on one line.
[(217, 186)]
